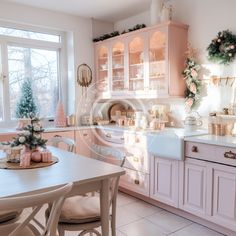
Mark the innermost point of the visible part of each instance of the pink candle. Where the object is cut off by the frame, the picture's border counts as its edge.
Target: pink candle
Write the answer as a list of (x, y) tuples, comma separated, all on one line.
[(25, 159), (46, 156)]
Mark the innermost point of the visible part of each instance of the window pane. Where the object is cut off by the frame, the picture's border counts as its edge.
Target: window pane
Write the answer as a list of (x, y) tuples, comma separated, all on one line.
[(41, 67), (29, 34)]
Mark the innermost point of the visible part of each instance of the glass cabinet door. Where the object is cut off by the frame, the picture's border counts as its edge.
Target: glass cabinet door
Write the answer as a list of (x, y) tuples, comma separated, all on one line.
[(157, 61), (118, 67), (136, 64), (102, 69)]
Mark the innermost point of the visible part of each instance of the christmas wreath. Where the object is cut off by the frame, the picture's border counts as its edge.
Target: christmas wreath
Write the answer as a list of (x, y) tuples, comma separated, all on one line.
[(192, 93), (222, 49)]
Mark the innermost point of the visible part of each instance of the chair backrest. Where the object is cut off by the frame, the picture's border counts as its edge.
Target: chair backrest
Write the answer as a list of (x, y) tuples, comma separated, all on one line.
[(115, 157), (55, 197), (109, 154), (56, 140)]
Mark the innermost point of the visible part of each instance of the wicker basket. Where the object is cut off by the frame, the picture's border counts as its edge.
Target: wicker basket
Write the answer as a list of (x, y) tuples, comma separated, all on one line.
[(13, 154)]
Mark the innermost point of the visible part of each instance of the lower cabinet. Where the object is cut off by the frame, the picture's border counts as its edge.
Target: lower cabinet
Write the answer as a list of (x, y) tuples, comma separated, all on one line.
[(194, 183), (164, 180), (7, 137), (208, 190), (135, 181), (84, 139), (65, 134), (224, 195)]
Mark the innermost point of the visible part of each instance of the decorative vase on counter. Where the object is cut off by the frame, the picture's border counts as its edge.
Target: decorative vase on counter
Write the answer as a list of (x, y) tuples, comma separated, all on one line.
[(60, 118), (166, 13)]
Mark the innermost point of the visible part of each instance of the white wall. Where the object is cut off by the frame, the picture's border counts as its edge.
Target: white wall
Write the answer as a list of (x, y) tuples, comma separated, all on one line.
[(205, 19), (78, 31), (101, 27)]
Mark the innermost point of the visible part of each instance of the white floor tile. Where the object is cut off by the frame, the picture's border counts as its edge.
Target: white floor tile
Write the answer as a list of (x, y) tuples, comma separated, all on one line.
[(142, 208), (124, 199), (124, 217), (142, 227), (196, 230), (169, 221)]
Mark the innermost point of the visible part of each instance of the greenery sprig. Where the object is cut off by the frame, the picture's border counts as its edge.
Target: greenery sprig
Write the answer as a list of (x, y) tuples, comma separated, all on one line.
[(116, 33), (222, 49)]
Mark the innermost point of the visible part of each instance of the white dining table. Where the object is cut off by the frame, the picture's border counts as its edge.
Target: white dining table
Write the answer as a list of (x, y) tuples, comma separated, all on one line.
[(87, 174)]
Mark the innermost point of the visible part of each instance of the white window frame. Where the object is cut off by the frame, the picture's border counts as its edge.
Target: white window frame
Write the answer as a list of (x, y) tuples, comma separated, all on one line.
[(6, 41)]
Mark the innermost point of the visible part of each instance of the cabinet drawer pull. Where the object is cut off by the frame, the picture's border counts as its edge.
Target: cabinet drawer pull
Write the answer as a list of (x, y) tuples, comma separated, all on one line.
[(136, 159), (194, 149), (122, 138), (136, 181), (57, 135), (230, 155), (85, 135), (108, 135)]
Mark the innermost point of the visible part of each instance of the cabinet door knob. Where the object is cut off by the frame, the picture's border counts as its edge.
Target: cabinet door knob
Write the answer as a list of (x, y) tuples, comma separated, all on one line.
[(136, 181), (85, 135), (230, 155), (194, 149), (108, 135)]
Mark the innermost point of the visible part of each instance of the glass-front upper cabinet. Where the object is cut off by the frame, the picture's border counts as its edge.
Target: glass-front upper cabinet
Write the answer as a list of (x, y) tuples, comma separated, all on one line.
[(136, 64), (118, 83), (102, 68), (157, 61)]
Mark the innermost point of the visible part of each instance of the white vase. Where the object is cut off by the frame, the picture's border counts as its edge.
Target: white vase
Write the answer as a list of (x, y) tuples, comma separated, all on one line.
[(166, 13)]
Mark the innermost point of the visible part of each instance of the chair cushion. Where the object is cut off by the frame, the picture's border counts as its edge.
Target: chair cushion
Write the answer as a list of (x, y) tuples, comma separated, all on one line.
[(9, 215), (80, 209)]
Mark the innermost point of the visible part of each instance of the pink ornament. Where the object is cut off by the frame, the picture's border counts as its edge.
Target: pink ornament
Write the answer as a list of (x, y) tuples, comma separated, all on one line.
[(36, 156), (193, 88), (46, 156), (194, 73), (25, 159), (60, 118), (232, 47)]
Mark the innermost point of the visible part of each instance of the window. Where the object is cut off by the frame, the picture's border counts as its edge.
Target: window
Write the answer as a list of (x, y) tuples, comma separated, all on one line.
[(27, 54), (29, 34)]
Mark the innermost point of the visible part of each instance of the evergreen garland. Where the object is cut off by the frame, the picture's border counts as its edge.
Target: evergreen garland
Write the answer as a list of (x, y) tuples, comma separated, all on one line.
[(192, 93), (31, 136), (116, 33), (26, 103), (222, 49)]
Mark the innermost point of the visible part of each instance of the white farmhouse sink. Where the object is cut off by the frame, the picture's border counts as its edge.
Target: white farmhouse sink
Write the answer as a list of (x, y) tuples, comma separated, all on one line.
[(169, 143)]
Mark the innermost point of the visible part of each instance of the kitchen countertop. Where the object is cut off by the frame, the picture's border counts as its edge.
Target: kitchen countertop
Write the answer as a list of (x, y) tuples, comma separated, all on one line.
[(226, 141), (5, 131), (176, 131)]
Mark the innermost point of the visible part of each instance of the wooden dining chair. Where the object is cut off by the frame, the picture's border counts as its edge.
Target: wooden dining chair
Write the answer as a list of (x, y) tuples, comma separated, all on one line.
[(70, 143), (9, 216), (82, 213), (25, 228)]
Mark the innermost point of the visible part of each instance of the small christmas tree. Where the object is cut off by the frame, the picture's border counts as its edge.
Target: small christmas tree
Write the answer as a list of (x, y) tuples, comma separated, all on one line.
[(26, 104), (31, 136)]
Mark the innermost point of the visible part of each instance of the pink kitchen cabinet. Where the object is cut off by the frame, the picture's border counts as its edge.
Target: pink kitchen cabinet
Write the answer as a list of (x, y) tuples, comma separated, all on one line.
[(224, 195), (84, 139), (164, 180), (208, 183), (146, 63), (7, 137), (193, 187)]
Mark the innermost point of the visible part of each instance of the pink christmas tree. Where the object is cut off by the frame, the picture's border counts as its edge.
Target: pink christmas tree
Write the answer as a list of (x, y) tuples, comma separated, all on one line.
[(60, 118)]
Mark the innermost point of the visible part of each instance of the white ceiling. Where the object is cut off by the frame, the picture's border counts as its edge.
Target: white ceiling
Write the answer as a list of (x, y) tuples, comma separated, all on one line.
[(107, 10)]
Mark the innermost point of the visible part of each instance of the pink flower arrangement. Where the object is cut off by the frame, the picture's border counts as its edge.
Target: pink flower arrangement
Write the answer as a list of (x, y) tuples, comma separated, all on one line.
[(194, 73), (189, 103), (193, 88)]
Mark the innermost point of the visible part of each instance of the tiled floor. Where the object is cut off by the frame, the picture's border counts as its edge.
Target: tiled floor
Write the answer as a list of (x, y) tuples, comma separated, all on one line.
[(137, 218)]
